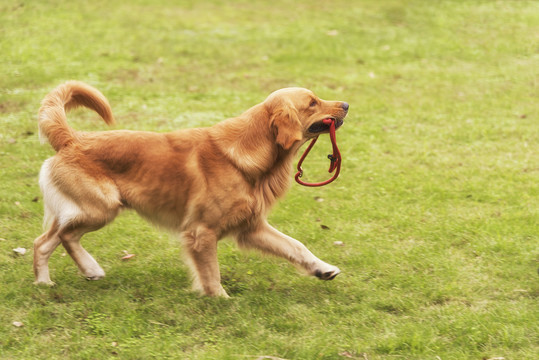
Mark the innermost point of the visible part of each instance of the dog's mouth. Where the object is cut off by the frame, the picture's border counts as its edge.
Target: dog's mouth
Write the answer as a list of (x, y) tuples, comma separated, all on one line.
[(320, 126)]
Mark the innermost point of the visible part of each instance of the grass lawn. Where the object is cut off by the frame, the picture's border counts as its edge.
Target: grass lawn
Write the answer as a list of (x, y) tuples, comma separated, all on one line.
[(437, 205)]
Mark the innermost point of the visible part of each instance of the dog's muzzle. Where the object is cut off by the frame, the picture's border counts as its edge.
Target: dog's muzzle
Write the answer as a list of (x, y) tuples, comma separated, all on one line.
[(321, 126)]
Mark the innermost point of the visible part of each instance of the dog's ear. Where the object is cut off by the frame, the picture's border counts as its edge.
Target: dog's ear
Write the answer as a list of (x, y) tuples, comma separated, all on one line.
[(286, 125)]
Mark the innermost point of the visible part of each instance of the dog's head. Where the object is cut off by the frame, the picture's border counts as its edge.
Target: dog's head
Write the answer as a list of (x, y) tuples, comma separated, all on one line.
[(297, 114)]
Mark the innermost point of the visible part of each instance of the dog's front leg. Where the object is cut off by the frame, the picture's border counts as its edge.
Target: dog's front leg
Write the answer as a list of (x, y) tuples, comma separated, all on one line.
[(267, 239), (201, 250)]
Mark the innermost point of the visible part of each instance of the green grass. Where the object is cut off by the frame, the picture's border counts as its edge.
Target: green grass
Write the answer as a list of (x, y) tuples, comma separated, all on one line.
[(437, 204)]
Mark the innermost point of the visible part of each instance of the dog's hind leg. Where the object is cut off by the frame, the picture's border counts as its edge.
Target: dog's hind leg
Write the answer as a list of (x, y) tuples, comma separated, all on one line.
[(43, 249), (70, 239), (78, 204), (272, 241), (201, 250)]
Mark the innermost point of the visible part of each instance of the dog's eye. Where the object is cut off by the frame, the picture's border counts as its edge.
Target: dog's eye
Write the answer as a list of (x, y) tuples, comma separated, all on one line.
[(313, 103)]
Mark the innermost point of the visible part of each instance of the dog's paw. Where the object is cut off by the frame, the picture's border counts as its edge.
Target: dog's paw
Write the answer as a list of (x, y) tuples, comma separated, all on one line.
[(327, 274), (95, 275), (92, 273), (224, 295), (44, 283), (213, 292), (216, 292)]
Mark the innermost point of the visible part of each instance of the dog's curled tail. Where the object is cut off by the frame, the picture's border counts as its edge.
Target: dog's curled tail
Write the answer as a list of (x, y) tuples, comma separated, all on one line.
[(52, 121)]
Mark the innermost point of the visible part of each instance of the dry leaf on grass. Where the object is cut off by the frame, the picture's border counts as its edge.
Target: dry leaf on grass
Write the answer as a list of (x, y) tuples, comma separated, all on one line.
[(127, 255), (20, 251)]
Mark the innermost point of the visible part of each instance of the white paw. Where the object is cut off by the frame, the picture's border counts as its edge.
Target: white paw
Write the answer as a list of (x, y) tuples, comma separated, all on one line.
[(97, 274), (44, 282), (327, 273)]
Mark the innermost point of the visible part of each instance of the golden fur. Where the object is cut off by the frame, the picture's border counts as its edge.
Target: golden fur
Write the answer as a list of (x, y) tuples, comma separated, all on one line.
[(203, 183)]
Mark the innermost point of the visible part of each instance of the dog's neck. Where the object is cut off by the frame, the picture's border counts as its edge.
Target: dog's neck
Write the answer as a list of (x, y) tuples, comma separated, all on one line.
[(253, 150)]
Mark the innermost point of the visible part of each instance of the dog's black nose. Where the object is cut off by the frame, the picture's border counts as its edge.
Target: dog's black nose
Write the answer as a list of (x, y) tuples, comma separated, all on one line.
[(345, 106)]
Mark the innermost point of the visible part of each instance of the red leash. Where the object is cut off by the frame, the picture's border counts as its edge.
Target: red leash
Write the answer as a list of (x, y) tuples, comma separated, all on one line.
[(335, 158)]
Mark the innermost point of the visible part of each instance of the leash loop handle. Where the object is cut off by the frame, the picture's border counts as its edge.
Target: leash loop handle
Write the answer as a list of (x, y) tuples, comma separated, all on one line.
[(335, 158)]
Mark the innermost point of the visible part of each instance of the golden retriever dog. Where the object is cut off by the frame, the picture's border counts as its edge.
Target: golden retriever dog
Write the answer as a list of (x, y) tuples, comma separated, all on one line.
[(203, 184)]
